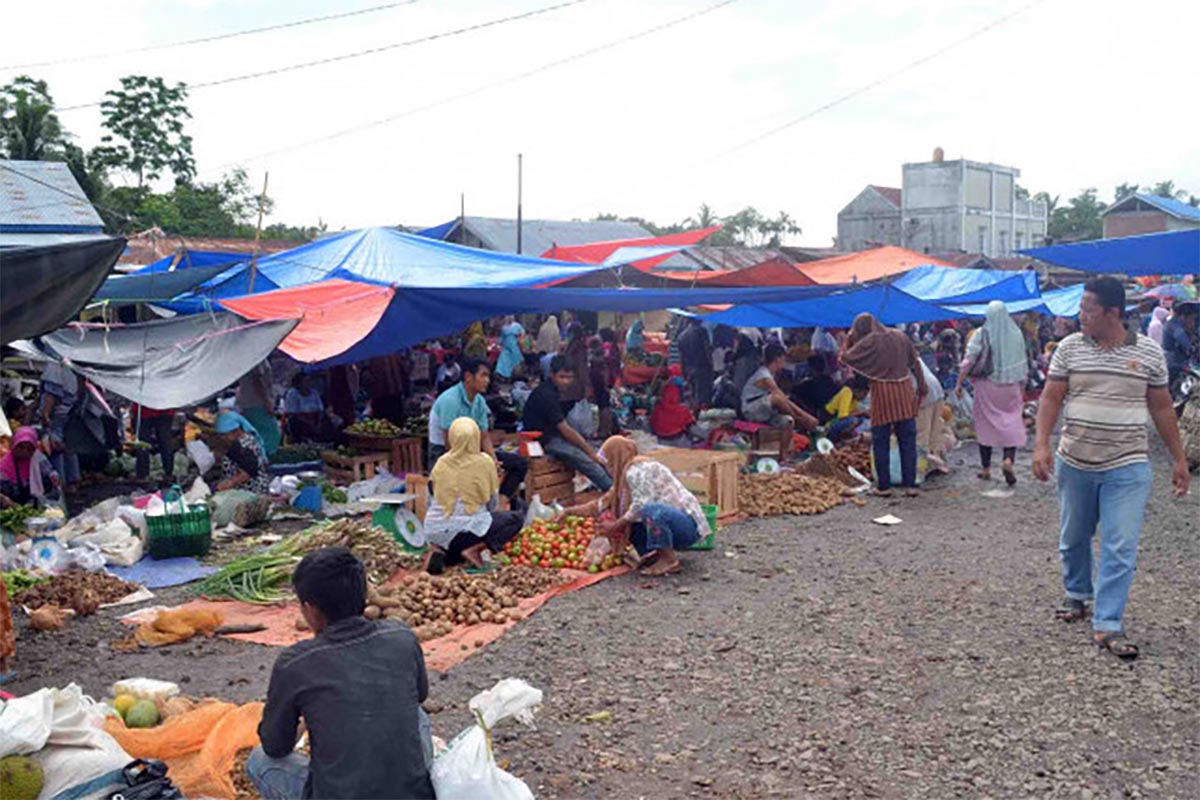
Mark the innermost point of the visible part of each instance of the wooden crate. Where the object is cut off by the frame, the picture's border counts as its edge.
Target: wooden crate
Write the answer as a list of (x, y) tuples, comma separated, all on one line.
[(551, 480), (711, 475), (408, 455), (350, 469)]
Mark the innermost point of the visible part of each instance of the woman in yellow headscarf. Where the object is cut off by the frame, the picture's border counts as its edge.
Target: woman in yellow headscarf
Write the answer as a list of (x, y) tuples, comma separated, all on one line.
[(648, 507), (461, 521), (475, 343)]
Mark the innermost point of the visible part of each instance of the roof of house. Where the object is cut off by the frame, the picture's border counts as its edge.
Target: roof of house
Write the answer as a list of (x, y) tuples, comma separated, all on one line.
[(149, 246), (43, 197), (889, 193), (539, 235), (980, 261), (1167, 205), (720, 258)]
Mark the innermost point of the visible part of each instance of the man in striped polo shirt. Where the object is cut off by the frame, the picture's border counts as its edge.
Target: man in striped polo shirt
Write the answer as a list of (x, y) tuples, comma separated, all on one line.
[(1108, 381)]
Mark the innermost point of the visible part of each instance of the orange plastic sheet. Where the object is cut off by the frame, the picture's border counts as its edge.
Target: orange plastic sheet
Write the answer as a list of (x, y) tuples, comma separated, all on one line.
[(868, 265), (199, 746), (441, 654)]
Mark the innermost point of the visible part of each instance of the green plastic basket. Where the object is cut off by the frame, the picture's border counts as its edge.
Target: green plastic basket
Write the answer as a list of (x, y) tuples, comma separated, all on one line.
[(174, 535), (709, 541)]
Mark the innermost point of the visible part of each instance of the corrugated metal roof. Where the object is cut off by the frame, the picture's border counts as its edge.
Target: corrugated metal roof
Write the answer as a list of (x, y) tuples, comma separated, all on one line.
[(720, 257), (1167, 205), (42, 196), (149, 246), (539, 235)]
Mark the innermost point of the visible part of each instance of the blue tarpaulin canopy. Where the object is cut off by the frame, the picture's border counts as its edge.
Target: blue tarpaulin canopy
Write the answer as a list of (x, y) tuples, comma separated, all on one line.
[(1170, 253), (381, 256), (188, 259), (417, 314), (1055, 303), (890, 305), (953, 285), (154, 287)]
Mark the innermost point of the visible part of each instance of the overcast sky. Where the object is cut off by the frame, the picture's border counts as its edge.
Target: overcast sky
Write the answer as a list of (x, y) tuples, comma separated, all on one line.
[(1075, 93)]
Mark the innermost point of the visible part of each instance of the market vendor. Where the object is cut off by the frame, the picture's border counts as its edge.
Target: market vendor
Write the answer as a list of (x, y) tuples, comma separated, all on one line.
[(244, 465), (544, 413), (511, 357), (305, 410), (670, 418), (26, 476), (358, 685), (764, 402), (461, 520), (466, 399), (646, 506)]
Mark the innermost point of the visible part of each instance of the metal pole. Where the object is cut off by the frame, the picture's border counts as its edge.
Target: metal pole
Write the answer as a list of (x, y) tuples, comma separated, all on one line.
[(519, 189), (262, 199)]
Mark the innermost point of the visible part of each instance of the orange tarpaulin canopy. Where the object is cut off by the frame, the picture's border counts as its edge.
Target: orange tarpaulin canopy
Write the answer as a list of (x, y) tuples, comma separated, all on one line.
[(868, 265), (597, 252), (772, 272), (334, 315)]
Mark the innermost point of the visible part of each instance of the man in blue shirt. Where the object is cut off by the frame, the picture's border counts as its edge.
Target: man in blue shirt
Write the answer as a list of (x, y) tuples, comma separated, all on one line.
[(466, 399)]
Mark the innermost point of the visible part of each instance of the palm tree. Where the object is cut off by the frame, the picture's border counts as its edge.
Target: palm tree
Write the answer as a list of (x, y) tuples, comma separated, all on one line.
[(705, 217), (29, 128)]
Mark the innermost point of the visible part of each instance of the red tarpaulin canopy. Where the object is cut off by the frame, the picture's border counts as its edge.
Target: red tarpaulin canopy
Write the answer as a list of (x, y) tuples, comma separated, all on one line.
[(334, 315), (772, 272), (597, 252), (868, 265)]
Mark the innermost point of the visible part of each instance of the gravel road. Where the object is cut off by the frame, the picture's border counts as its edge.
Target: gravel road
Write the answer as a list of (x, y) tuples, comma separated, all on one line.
[(824, 655)]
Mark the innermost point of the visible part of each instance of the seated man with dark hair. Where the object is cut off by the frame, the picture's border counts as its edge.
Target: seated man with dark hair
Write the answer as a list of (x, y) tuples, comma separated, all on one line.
[(357, 685), (544, 412), (817, 389)]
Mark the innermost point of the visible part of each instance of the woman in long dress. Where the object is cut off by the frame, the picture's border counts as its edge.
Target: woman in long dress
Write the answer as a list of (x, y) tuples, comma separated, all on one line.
[(1000, 394)]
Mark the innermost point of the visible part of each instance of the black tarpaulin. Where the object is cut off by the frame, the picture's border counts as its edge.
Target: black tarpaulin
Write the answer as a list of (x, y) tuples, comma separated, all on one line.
[(168, 363), (42, 288), (154, 287)]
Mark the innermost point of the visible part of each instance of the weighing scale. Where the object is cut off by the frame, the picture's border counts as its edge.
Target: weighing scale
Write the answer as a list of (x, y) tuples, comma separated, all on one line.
[(396, 518)]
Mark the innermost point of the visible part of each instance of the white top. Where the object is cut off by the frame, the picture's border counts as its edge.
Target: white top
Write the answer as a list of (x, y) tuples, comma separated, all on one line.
[(441, 529)]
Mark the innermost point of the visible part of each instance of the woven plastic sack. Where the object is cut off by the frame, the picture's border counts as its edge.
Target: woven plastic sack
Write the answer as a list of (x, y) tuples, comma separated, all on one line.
[(199, 746), (224, 505)]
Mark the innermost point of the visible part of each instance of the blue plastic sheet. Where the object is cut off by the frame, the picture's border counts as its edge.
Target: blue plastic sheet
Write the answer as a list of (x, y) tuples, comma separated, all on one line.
[(155, 286), (382, 256), (890, 305), (159, 574), (961, 286), (1171, 253), (1055, 303)]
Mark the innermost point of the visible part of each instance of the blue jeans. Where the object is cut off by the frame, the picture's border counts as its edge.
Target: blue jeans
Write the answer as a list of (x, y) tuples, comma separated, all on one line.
[(881, 441), (284, 778), (663, 527), (1114, 501), (560, 449)]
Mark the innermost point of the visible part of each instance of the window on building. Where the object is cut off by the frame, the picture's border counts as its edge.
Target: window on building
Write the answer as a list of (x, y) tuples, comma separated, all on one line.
[(983, 240), (1018, 241), (1002, 244)]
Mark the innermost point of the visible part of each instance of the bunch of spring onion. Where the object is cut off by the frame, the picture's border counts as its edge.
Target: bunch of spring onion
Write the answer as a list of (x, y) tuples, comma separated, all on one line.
[(261, 579)]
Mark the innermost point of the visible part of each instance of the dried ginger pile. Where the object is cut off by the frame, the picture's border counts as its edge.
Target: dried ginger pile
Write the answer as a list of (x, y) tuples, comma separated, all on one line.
[(786, 493)]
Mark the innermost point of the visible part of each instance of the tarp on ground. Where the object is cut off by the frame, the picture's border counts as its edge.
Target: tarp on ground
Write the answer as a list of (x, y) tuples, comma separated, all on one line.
[(334, 315), (417, 314), (168, 363), (1054, 303), (383, 256), (603, 252), (890, 305), (42, 288), (153, 287), (869, 265), (1170, 253), (946, 285)]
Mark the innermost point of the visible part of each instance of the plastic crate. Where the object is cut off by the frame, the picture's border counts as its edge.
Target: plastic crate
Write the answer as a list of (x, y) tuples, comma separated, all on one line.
[(174, 535), (709, 541)]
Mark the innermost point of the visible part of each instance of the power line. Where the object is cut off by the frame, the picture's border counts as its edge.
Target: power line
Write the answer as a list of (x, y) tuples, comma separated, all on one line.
[(996, 23), (488, 86), (215, 38), (361, 53)]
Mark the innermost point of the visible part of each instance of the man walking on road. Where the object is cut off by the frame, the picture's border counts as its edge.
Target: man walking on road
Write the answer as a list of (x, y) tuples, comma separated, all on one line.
[(1108, 381)]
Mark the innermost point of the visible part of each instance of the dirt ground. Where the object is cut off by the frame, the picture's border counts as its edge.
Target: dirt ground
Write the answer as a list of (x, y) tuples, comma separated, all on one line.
[(823, 655)]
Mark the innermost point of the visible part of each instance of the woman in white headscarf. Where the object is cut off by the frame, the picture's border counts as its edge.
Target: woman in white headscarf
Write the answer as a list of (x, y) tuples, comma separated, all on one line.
[(998, 367), (1158, 320), (549, 339)]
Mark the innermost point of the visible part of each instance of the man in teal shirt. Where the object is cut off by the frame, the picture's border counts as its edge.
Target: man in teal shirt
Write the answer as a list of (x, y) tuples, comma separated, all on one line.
[(466, 399)]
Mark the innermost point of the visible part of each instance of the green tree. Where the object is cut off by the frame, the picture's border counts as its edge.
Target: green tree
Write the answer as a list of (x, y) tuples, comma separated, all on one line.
[(1079, 219), (1167, 189), (144, 120), (705, 217), (29, 128), (1124, 190)]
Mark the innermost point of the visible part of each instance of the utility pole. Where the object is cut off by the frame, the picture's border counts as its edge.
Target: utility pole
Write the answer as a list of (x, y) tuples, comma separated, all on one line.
[(519, 188), (262, 200), (462, 217)]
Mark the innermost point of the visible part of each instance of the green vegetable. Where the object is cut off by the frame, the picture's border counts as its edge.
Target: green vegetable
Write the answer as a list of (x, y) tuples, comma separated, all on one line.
[(13, 518), (259, 579), (19, 580), (334, 495)]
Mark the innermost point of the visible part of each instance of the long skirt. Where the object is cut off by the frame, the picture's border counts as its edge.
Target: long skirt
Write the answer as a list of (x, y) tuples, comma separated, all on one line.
[(998, 409)]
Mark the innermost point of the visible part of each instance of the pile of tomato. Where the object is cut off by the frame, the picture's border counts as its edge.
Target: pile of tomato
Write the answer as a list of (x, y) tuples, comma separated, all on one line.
[(555, 545)]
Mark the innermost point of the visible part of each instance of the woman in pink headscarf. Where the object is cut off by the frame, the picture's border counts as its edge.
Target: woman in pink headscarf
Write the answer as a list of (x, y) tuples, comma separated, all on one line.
[(25, 473)]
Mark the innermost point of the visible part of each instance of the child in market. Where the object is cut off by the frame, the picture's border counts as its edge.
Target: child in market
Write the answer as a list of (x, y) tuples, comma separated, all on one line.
[(845, 409)]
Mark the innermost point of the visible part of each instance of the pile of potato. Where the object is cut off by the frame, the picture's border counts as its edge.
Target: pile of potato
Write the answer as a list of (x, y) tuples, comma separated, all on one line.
[(787, 493), (432, 604)]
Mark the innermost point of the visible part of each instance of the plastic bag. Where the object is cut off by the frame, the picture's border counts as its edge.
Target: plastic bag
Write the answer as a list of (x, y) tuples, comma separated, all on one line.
[(201, 455), (384, 482), (87, 558), (135, 518), (597, 549), (145, 688), (25, 723), (582, 417), (467, 769), (539, 510), (224, 505), (198, 493)]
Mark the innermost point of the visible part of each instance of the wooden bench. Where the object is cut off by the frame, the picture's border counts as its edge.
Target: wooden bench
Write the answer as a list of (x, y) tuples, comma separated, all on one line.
[(351, 469)]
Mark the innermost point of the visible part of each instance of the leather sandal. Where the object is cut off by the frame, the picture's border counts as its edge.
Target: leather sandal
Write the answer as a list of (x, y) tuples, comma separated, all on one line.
[(1071, 610), (1118, 644)]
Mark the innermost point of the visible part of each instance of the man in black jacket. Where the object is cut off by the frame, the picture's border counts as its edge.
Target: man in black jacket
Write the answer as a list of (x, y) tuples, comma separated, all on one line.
[(357, 685)]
